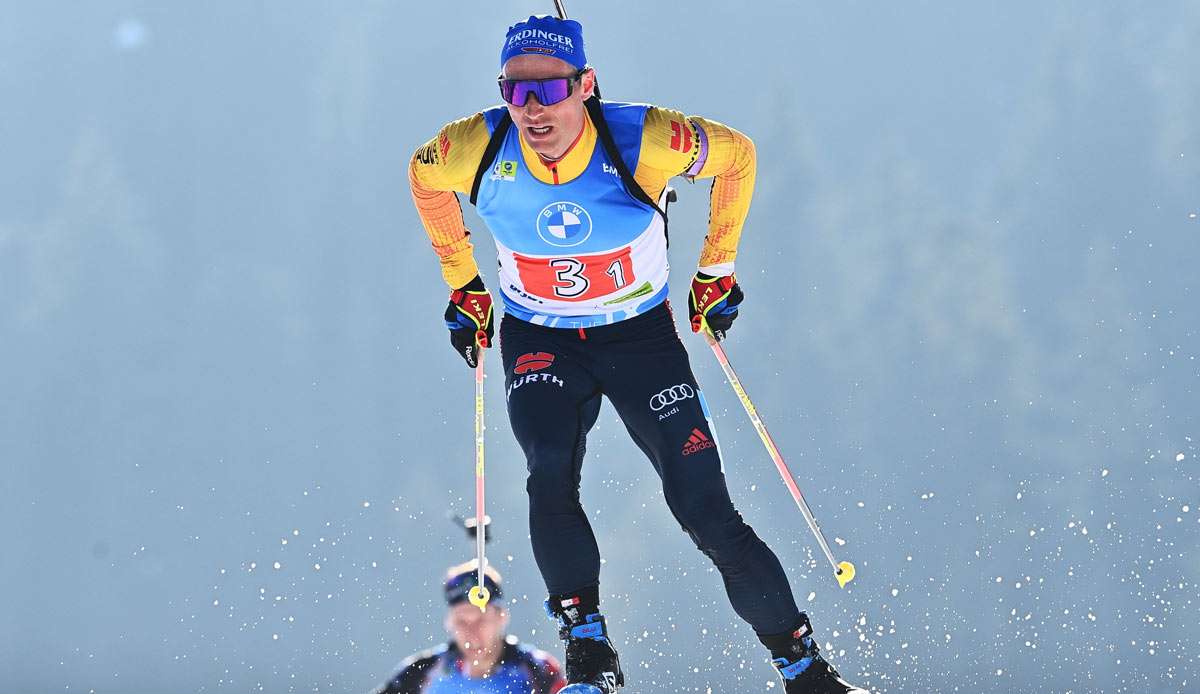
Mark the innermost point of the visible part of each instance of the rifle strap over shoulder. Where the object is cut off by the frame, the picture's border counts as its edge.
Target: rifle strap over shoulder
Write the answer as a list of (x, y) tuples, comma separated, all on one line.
[(493, 146), (596, 111)]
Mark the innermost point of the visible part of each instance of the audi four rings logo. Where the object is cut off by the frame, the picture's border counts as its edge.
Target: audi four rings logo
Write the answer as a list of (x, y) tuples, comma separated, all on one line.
[(671, 395)]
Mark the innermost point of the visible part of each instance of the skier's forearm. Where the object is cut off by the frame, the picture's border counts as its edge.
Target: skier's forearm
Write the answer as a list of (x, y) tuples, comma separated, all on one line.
[(731, 161), (441, 215), (445, 165)]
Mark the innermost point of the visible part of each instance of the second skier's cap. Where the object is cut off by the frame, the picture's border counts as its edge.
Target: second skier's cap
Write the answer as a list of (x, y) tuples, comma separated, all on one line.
[(462, 578), (545, 35)]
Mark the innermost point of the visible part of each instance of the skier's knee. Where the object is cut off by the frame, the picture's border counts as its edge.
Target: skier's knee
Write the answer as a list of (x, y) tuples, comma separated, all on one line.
[(709, 519), (552, 480)]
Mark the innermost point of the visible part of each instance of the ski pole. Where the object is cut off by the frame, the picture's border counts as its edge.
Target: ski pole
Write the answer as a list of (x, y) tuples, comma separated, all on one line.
[(479, 594), (842, 571)]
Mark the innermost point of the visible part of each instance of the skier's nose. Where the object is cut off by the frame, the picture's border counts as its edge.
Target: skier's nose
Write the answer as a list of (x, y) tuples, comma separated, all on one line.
[(532, 105)]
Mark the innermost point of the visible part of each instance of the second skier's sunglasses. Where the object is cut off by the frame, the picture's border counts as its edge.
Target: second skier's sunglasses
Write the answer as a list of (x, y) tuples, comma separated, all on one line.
[(548, 91)]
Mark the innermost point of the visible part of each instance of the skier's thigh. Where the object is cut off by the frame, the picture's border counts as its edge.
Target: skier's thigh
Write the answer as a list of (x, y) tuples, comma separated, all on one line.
[(550, 396), (659, 401)]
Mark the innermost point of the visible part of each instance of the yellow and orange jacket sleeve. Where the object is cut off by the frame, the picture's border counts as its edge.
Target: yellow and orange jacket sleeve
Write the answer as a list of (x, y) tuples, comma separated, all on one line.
[(440, 168), (674, 144)]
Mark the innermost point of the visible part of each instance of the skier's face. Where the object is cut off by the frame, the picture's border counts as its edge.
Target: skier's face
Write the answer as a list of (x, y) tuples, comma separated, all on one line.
[(474, 630), (548, 130)]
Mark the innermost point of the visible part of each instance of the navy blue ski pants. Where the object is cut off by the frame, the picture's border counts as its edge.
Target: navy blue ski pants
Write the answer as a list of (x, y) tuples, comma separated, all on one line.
[(555, 378)]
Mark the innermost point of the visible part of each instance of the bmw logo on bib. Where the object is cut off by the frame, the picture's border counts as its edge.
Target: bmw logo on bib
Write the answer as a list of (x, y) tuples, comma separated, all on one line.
[(564, 224)]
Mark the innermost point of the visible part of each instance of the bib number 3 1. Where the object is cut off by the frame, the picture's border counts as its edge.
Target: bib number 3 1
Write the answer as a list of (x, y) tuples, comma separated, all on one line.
[(579, 278)]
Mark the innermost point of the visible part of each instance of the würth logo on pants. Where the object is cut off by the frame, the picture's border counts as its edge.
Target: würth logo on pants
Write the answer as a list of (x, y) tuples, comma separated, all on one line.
[(697, 442), (534, 378)]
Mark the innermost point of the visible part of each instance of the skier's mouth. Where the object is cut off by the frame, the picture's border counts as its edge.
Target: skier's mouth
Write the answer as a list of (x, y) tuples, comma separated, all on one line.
[(539, 132)]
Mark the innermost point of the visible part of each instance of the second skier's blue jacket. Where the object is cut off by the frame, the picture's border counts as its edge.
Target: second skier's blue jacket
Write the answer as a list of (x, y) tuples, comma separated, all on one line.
[(521, 669)]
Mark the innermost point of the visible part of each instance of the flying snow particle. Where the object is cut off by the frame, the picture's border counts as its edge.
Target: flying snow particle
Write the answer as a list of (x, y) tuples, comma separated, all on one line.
[(1179, 458)]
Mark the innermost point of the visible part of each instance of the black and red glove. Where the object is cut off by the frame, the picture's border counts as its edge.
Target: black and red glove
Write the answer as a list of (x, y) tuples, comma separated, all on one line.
[(714, 301), (469, 318)]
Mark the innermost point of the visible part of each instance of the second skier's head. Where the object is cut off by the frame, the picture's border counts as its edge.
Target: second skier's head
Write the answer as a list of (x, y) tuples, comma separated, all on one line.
[(473, 630), (544, 80), (462, 578)]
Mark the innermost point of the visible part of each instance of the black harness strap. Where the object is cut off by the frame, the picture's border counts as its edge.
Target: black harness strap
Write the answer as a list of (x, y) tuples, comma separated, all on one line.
[(606, 140), (493, 146), (610, 148)]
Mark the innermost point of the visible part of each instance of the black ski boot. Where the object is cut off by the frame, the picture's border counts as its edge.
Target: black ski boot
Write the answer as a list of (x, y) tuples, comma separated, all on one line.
[(591, 662), (802, 667)]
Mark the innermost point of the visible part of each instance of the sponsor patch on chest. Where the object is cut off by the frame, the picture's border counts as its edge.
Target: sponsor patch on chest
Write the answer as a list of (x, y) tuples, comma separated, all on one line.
[(564, 224), (504, 171)]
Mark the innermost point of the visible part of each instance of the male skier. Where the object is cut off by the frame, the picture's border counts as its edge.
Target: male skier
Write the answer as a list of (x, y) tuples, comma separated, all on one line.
[(573, 191)]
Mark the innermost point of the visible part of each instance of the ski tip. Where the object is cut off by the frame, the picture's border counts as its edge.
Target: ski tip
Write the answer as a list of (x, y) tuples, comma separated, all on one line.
[(844, 573), (479, 597)]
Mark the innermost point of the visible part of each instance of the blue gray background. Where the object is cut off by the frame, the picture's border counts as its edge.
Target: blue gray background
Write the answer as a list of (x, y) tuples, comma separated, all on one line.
[(231, 426)]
